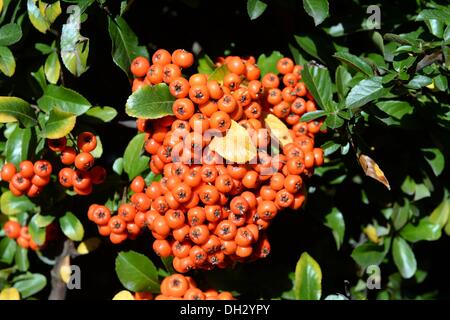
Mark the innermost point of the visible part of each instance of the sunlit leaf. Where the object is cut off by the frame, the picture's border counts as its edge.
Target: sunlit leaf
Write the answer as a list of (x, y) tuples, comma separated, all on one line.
[(372, 170)]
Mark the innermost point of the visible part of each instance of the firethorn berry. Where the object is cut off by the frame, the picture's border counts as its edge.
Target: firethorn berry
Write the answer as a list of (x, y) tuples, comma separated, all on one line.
[(101, 215), (155, 74), (270, 80), (117, 224), (141, 201), (220, 121), (139, 66), (26, 169), (138, 184), (199, 94), (182, 58), (20, 183), (81, 179), (162, 248), (171, 72), (117, 238), (84, 161), (183, 108), (12, 229), (57, 145), (42, 168), (162, 57), (8, 171), (68, 156), (98, 175), (86, 141), (126, 212), (65, 177), (236, 65), (285, 65)]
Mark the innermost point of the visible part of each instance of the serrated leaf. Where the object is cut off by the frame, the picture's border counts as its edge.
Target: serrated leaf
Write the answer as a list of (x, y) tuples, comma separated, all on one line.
[(71, 226), (235, 146), (364, 92), (105, 114), (74, 47), (150, 102), (255, 8), (318, 82), (268, 64), (64, 99), (7, 61), (308, 279), (59, 124), (335, 221), (133, 161), (404, 258), (124, 44), (136, 272), (10, 34), (355, 62), (52, 68), (317, 9)]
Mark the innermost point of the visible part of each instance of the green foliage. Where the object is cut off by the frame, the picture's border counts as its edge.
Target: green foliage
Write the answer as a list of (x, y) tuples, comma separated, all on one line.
[(136, 272)]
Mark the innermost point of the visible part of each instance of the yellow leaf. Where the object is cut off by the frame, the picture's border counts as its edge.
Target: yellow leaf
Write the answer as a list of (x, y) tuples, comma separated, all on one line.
[(123, 295), (1, 6), (372, 170), (278, 129), (371, 233), (235, 146), (4, 118), (88, 245), (65, 270), (9, 293)]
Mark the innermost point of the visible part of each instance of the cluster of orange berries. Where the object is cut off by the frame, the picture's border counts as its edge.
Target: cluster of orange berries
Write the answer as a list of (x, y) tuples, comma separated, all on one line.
[(14, 230), (205, 212), (30, 179), (82, 173), (180, 287)]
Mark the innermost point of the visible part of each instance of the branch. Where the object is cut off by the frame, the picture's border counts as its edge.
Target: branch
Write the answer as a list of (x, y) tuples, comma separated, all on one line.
[(59, 288)]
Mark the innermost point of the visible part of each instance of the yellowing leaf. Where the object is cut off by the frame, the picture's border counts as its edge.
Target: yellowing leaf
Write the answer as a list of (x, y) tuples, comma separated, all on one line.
[(59, 124), (372, 170), (278, 129), (4, 118), (123, 295), (1, 6), (235, 146), (9, 294), (88, 245), (371, 233), (65, 270)]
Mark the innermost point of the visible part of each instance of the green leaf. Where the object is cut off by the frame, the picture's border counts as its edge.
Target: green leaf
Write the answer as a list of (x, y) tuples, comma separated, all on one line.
[(31, 285), (52, 68), (7, 61), (441, 83), (150, 102), (36, 17), (421, 192), (355, 62), (333, 121), (21, 259), (39, 76), (12, 205), (71, 226), (343, 77), (37, 232), (59, 124), (396, 109), (307, 44), (364, 92), (312, 115), (419, 81), (425, 230), (296, 55), (400, 215), (369, 253), (133, 161), (105, 114), (12, 109), (336, 297), (441, 213), (377, 39), (98, 151), (136, 272), (255, 8), (268, 64), (17, 145), (404, 258), (318, 82), (317, 9), (118, 166), (124, 44), (10, 34), (409, 186), (74, 47), (219, 73), (335, 221), (7, 250), (435, 14), (64, 99), (435, 159), (308, 279), (205, 65)]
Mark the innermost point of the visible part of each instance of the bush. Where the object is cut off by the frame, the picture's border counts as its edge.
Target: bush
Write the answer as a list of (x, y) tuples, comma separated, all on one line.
[(376, 220)]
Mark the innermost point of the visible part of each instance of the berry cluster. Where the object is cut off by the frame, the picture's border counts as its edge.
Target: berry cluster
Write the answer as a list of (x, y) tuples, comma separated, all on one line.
[(30, 179), (81, 173), (14, 230), (180, 287)]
